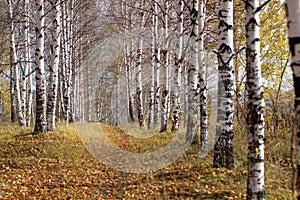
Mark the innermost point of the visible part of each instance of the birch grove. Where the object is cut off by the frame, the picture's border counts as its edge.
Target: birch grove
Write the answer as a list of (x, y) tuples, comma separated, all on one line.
[(156, 64)]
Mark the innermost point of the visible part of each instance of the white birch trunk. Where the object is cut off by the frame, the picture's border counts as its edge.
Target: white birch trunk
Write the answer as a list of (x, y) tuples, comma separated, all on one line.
[(41, 99), (66, 56), (255, 104), (14, 67), (165, 102), (139, 89), (28, 66), (81, 82), (193, 68), (128, 64), (53, 84), (293, 22), (153, 66), (185, 93), (178, 68), (89, 95), (156, 118), (71, 65), (202, 81), (223, 151)]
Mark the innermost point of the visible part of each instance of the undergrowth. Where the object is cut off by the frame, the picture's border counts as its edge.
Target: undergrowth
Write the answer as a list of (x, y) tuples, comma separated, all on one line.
[(57, 165)]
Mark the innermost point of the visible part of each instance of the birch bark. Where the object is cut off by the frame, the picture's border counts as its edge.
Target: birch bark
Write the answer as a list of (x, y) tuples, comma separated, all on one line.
[(53, 84), (223, 150), (165, 101), (202, 80), (15, 67), (156, 119), (255, 105), (139, 89), (41, 99), (28, 66), (153, 65), (193, 68), (177, 75)]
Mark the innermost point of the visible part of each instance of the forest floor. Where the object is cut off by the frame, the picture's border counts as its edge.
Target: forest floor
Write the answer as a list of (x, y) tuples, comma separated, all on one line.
[(58, 166)]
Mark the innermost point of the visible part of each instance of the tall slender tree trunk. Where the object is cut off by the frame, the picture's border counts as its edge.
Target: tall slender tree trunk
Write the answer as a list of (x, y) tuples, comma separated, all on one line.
[(128, 63), (156, 118), (185, 93), (13, 114), (28, 66), (66, 72), (177, 75), (153, 65), (41, 99), (202, 80), (255, 104), (293, 22), (89, 94), (165, 101), (223, 150), (139, 89), (193, 68), (15, 67), (53, 84)]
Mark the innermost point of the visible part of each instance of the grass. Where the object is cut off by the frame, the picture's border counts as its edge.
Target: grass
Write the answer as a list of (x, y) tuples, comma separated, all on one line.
[(57, 165)]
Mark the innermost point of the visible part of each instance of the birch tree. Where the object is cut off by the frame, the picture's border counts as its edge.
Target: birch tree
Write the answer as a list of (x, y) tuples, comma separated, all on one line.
[(255, 103), (156, 118), (15, 67), (223, 150), (153, 65), (41, 99), (202, 80), (293, 23), (139, 90), (128, 61), (53, 83), (165, 100), (178, 69), (28, 65), (66, 71), (193, 68)]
